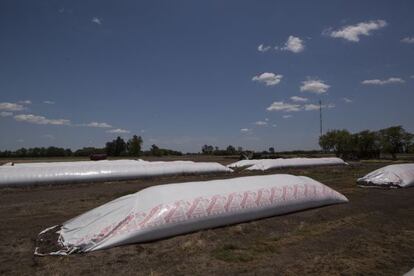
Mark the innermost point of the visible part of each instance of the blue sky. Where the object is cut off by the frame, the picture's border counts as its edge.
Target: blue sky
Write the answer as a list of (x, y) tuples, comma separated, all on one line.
[(187, 73)]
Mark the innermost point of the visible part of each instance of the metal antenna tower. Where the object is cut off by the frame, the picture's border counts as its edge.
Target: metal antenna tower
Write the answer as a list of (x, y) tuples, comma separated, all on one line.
[(320, 116)]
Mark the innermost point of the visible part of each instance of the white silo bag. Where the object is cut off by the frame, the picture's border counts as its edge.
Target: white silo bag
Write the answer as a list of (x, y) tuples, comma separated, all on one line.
[(167, 210), (400, 175), (267, 164), (105, 170)]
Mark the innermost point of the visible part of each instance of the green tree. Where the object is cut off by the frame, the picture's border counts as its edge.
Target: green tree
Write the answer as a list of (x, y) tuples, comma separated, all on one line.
[(116, 147), (339, 141), (207, 149), (134, 145), (231, 150), (368, 144), (393, 140)]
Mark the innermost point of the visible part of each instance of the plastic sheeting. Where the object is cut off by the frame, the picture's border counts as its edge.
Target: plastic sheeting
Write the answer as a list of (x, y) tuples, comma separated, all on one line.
[(401, 175), (61, 172), (266, 164), (167, 210)]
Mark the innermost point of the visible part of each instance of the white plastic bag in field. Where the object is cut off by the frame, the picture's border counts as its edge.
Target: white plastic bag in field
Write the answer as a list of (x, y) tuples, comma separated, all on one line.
[(105, 170), (167, 210), (401, 175), (266, 164)]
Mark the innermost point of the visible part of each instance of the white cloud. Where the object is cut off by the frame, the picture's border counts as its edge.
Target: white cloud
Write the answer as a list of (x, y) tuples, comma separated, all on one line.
[(353, 32), (383, 82), (274, 125), (118, 130), (97, 20), (260, 123), (262, 48), (40, 120), (294, 44), (25, 102), (99, 125), (312, 107), (281, 106), (298, 99), (347, 100), (11, 106), (287, 116), (409, 40), (48, 102), (314, 86), (269, 79), (6, 114), (244, 130)]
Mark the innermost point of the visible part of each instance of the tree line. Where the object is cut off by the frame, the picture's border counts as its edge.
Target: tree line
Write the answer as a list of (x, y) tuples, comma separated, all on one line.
[(368, 144), (117, 147)]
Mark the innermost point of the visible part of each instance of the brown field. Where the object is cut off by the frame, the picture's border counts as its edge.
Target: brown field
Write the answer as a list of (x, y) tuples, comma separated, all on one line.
[(371, 235)]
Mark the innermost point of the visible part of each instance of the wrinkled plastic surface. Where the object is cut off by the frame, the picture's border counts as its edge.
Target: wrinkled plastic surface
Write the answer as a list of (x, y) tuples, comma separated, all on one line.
[(400, 175), (266, 164), (105, 170), (167, 210)]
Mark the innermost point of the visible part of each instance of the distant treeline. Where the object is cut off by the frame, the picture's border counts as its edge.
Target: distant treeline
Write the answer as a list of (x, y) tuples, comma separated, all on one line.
[(116, 147), (231, 150), (368, 144)]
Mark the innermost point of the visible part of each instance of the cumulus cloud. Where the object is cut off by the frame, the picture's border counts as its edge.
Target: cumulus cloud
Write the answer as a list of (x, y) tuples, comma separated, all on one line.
[(353, 32), (314, 86), (98, 125), (282, 106), (383, 82), (40, 120), (262, 48), (96, 20), (260, 123), (11, 106), (287, 116), (269, 79), (48, 102), (118, 130), (6, 114), (347, 100), (294, 44), (298, 99), (244, 130), (409, 40)]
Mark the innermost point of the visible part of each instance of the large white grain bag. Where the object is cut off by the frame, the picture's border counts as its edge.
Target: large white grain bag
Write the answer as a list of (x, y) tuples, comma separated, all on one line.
[(401, 175), (267, 164), (105, 170), (167, 210)]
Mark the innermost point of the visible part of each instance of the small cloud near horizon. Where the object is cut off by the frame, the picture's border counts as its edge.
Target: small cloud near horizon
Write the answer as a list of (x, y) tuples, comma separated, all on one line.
[(383, 82), (118, 130)]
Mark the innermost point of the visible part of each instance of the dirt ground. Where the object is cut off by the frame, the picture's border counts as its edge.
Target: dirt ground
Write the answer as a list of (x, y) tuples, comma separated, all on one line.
[(371, 235)]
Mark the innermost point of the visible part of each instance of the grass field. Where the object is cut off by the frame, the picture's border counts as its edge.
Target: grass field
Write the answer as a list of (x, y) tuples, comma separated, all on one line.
[(371, 235)]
